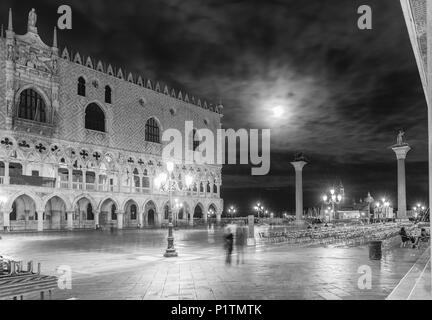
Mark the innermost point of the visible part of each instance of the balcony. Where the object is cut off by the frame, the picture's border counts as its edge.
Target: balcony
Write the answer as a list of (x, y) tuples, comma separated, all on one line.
[(22, 180)]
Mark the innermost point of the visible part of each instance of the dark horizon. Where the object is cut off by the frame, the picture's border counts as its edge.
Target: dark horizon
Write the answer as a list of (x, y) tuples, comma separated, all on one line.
[(344, 92)]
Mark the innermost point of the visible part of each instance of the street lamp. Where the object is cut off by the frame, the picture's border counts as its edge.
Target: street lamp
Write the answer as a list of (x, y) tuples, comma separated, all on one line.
[(259, 209), (161, 181), (419, 210), (382, 208), (232, 211), (333, 199)]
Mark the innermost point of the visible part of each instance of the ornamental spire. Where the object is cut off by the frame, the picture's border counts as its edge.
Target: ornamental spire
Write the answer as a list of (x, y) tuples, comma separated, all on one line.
[(55, 38), (10, 27)]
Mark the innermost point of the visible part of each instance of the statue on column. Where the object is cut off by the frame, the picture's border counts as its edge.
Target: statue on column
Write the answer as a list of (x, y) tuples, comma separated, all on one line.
[(400, 137)]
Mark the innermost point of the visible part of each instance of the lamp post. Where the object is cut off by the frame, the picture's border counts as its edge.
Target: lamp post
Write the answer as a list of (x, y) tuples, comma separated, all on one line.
[(259, 209), (419, 210), (382, 208), (332, 200), (162, 180), (232, 211)]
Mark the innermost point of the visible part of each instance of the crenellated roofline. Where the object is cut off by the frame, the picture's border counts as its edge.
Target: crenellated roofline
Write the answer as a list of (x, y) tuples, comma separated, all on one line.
[(118, 73)]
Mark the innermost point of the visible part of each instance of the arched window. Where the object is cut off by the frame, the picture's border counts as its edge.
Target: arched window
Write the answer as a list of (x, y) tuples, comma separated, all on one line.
[(81, 87), (90, 214), (94, 118), (201, 187), (215, 189), (208, 187), (145, 180), (152, 131), (196, 141), (108, 94), (113, 212), (32, 106), (136, 178), (166, 212), (133, 212)]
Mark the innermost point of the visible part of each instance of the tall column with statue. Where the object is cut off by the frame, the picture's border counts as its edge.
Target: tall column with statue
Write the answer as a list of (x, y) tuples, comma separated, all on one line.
[(401, 149), (298, 164)]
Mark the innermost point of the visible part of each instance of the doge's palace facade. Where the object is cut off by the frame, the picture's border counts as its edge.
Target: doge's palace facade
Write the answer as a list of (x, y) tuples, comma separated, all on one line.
[(80, 142)]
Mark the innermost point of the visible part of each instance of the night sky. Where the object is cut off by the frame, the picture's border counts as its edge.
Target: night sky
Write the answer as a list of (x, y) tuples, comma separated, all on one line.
[(344, 92)]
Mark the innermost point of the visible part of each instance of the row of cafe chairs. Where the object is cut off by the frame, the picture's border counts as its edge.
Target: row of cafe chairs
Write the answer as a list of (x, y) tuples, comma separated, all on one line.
[(323, 236), (19, 282)]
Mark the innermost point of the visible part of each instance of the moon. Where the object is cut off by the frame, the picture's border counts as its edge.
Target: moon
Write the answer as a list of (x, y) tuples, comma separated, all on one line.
[(278, 111)]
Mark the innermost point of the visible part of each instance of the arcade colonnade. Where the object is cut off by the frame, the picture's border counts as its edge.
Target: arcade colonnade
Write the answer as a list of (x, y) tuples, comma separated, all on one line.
[(27, 211)]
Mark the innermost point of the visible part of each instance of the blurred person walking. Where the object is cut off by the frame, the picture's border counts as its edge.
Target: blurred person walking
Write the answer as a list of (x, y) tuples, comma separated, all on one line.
[(240, 241), (229, 241)]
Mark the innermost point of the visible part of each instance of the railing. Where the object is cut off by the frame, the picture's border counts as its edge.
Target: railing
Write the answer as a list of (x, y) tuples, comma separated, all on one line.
[(77, 185), (64, 184), (33, 181), (90, 186)]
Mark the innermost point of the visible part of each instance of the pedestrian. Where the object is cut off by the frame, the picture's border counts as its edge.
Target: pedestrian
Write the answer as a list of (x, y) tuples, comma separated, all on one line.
[(240, 243), (229, 240)]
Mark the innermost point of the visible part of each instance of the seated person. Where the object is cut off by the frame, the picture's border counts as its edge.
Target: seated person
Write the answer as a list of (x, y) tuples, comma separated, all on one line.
[(422, 237), (404, 237)]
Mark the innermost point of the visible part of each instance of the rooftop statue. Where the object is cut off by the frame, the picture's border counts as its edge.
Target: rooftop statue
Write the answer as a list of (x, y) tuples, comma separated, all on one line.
[(32, 19)]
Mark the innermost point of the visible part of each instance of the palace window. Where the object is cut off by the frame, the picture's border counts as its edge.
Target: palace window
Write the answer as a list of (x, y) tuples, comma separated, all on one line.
[(145, 180), (32, 106), (94, 118), (152, 131), (81, 86), (108, 94)]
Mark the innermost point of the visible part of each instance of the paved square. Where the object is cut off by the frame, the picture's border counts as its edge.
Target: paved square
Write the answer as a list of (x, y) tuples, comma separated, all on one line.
[(129, 264)]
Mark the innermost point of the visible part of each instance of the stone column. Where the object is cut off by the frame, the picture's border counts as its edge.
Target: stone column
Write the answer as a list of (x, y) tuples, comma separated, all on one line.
[(298, 166), (6, 176), (6, 220), (40, 226), (401, 152), (120, 217), (84, 179), (70, 222), (191, 218), (96, 218), (97, 180), (158, 220), (219, 217), (70, 171), (140, 219), (120, 181), (205, 216)]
